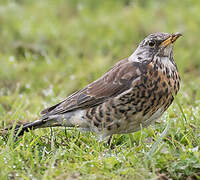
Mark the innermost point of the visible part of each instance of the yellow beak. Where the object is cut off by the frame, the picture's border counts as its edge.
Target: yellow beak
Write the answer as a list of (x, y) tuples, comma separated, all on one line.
[(171, 39)]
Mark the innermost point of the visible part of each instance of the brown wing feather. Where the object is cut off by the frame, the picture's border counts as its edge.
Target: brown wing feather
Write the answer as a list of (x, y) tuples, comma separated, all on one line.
[(115, 81)]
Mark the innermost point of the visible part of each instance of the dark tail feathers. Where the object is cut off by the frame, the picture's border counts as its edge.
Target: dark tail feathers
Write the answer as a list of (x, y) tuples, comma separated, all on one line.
[(20, 129)]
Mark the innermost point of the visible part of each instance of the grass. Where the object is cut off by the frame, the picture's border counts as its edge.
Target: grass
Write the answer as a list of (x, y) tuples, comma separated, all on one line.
[(49, 49)]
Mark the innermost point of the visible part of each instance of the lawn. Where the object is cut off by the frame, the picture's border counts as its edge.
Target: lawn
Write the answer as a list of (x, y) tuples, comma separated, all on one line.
[(49, 49)]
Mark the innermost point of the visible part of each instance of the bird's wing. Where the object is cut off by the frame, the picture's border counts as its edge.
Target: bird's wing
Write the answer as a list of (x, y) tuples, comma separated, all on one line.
[(114, 82)]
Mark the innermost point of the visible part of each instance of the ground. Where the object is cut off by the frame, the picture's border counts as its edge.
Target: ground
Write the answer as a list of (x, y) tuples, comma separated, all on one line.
[(49, 49)]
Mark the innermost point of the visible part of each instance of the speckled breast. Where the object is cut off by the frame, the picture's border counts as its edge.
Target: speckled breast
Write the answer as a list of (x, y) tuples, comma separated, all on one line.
[(149, 97)]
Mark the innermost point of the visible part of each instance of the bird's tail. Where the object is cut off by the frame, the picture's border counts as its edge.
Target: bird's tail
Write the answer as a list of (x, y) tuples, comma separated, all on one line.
[(70, 119), (20, 129), (42, 123)]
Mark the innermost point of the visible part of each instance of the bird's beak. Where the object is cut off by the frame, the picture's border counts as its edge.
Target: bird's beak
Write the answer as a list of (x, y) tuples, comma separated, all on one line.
[(171, 39)]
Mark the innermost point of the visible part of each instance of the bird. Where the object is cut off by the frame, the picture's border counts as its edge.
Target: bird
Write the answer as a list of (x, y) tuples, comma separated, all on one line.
[(131, 95)]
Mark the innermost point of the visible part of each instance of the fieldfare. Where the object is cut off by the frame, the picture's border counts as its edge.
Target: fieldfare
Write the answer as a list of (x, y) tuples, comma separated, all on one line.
[(132, 94)]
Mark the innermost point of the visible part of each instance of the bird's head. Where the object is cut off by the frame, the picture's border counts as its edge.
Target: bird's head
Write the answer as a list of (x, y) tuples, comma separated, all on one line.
[(160, 44)]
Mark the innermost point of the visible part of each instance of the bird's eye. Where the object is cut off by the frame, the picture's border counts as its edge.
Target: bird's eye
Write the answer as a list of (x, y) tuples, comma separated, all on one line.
[(152, 43)]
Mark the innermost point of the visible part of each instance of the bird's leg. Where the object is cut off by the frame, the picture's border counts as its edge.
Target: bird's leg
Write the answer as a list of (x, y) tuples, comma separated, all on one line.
[(67, 139), (109, 140), (65, 132), (53, 138), (51, 132)]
